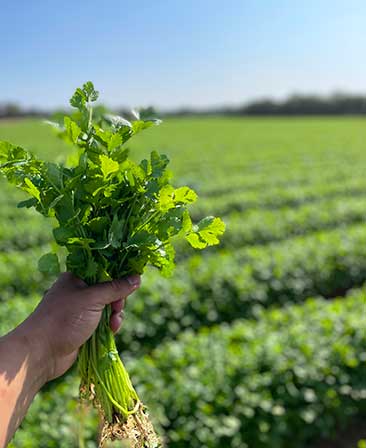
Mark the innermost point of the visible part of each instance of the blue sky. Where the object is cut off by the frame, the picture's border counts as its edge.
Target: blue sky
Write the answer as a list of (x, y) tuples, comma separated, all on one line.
[(175, 53)]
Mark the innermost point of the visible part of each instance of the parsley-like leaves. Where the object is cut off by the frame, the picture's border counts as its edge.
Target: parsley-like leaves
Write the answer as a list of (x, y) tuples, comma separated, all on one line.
[(115, 216)]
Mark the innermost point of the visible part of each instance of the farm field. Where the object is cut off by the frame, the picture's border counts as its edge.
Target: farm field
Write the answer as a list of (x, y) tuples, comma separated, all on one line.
[(257, 343)]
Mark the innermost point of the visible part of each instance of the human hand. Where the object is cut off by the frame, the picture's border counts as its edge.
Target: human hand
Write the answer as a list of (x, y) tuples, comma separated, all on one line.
[(69, 314)]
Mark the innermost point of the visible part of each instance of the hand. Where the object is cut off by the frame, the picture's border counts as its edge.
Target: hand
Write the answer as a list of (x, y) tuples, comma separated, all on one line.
[(68, 315), (46, 344)]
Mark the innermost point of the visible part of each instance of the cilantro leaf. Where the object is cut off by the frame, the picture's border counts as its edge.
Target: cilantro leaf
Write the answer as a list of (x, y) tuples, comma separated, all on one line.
[(114, 216), (49, 264), (32, 189), (108, 166), (72, 130), (206, 233)]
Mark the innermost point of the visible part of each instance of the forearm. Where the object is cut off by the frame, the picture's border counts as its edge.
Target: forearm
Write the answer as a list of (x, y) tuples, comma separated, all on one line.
[(22, 374)]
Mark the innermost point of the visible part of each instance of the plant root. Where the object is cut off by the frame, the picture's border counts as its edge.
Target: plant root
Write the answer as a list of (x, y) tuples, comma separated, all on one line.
[(137, 431)]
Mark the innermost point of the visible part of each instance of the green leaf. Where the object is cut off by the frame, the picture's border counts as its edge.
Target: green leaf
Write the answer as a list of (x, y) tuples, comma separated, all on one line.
[(80, 241), (107, 165), (27, 203), (72, 130), (99, 225), (5, 148), (114, 142), (83, 96), (166, 201), (171, 223), (184, 195), (78, 100), (90, 93), (14, 155), (206, 233), (116, 232), (54, 174), (186, 222), (158, 164), (142, 238), (32, 189), (114, 215), (140, 125), (111, 140), (91, 268), (62, 235), (163, 259), (170, 197), (119, 155), (75, 262), (49, 264), (64, 209), (53, 204)]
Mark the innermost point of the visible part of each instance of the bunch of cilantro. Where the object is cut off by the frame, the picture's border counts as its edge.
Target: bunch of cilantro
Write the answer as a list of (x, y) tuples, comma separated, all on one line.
[(114, 217)]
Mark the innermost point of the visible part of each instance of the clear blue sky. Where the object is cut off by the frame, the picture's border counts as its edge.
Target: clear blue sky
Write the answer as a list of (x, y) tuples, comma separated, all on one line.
[(180, 52)]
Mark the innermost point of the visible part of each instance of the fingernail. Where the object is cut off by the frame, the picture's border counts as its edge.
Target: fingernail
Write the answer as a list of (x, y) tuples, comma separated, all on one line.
[(134, 280)]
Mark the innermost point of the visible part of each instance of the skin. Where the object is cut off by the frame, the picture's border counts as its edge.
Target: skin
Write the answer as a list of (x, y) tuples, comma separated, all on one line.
[(46, 344)]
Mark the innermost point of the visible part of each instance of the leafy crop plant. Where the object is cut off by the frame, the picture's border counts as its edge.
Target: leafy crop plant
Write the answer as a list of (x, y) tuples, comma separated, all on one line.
[(114, 217)]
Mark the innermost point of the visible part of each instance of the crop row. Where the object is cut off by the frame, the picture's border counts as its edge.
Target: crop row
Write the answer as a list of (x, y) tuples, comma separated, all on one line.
[(21, 234), (224, 287), (15, 310), (19, 273), (207, 290), (263, 160), (282, 381), (255, 226), (263, 226), (297, 176), (273, 198)]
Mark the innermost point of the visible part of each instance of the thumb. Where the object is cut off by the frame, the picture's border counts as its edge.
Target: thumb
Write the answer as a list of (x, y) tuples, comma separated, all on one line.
[(108, 292)]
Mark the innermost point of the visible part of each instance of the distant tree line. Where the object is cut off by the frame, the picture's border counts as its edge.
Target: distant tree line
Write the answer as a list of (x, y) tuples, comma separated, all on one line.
[(336, 104), (13, 110)]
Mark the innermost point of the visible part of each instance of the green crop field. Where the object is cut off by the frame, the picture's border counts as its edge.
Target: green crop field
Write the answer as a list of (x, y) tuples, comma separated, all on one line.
[(257, 343)]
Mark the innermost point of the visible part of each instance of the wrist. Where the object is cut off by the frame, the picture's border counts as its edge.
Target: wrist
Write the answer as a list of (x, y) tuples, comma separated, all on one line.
[(23, 373), (29, 344)]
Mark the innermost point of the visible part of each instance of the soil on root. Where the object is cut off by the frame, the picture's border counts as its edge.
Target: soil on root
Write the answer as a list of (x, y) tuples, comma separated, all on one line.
[(136, 432)]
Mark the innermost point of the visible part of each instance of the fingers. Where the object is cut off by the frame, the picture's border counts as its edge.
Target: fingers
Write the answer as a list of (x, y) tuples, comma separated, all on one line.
[(116, 322), (117, 306), (117, 314), (108, 292)]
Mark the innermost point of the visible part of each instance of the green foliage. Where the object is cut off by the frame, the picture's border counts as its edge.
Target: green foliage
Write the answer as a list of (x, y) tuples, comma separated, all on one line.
[(273, 180), (261, 384), (49, 264), (138, 211), (243, 200), (261, 226), (18, 273), (114, 217), (227, 286)]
